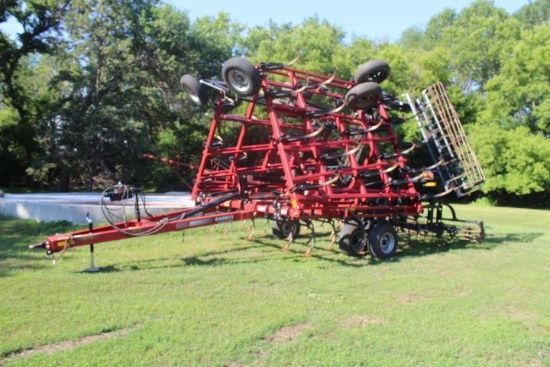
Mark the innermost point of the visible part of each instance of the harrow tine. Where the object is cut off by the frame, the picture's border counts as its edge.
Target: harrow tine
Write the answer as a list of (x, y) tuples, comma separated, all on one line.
[(398, 154), (316, 186), (329, 80), (309, 224), (289, 240), (251, 230), (304, 87), (349, 132), (291, 138), (325, 113), (294, 60)]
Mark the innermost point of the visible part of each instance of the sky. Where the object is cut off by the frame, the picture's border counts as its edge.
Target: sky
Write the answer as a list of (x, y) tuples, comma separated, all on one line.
[(380, 20)]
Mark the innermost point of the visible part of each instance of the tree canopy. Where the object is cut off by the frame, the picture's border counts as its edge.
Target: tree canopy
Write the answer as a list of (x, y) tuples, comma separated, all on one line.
[(88, 87)]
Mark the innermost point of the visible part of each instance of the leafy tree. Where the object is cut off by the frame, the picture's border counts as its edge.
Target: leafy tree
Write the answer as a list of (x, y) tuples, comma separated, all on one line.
[(39, 23), (479, 39), (519, 95), (533, 14), (119, 82), (516, 162), (317, 41), (437, 28)]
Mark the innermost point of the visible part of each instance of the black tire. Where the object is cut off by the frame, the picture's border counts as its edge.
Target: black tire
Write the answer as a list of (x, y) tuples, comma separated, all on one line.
[(372, 71), (363, 96), (283, 228), (353, 240), (241, 76), (196, 91), (382, 240)]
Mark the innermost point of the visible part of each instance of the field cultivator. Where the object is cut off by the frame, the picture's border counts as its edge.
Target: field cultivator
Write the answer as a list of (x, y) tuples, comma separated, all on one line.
[(298, 147)]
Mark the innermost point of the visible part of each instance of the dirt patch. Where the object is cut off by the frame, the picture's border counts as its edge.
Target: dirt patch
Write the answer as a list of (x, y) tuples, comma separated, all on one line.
[(362, 320), (515, 313), (287, 334), (410, 298), (67, 345)]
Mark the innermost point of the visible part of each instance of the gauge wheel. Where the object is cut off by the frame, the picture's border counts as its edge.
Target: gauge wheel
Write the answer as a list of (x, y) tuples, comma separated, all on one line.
[(353, 240), (363, 96), (383, 240), (241, 76), (283, 228), (372, 71), (196, 91)]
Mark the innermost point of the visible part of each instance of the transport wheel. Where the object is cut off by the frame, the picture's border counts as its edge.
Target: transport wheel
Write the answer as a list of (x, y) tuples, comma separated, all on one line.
[(372, 71), (283, 228), (382, 240), (352, 240), (241, 76), (197, 91), (363, 96)]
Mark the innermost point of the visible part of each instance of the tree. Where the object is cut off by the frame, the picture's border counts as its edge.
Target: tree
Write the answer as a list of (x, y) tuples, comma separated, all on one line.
[(318, 42), (516, 163), (533, 14), (40, 23), (481, 37), (519, 95)]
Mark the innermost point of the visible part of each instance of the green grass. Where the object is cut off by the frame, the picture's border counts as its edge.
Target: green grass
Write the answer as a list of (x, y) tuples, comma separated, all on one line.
[(218, 299)]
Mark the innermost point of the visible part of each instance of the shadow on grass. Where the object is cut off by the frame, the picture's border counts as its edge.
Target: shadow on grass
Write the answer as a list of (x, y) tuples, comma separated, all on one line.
[(270, 247), (15, 237), (500, 238), (424, 246)]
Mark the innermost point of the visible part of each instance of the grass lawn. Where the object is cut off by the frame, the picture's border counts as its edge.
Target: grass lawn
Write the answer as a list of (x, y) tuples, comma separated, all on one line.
[(212, 297)]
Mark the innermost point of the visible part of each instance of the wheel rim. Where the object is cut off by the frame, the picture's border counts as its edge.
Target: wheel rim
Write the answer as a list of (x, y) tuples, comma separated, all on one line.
[(387, 243), (238, 81), (358, 240), (286, 228), (376, 76)]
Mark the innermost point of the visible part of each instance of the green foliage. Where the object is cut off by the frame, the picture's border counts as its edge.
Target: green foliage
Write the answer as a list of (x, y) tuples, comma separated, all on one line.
[(80, 107), (515, 161), (317, 42), (518, 96), (534, 14)]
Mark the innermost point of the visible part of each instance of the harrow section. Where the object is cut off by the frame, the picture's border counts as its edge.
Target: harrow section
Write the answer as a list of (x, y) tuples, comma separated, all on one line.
[(295, 147), (446, 140)]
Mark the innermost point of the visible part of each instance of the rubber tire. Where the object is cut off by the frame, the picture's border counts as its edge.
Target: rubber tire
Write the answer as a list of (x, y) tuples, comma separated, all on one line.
[(282, 228), (241, 76), (196, 91), (372, 71), (383, 241), (363, 96), (352, 240)]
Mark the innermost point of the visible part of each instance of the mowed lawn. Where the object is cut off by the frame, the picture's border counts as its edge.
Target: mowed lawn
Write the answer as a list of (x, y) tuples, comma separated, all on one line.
[(214, 297)]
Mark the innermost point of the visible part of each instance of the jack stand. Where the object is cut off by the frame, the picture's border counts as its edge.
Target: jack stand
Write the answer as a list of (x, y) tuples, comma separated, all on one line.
[(92, 268)]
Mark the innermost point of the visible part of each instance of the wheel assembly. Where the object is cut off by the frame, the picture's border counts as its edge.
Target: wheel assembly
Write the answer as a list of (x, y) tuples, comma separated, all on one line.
[(241, 76), (363, 96), (353, 240), (282, 229), (372, 71), (196, 91), (382, 240)]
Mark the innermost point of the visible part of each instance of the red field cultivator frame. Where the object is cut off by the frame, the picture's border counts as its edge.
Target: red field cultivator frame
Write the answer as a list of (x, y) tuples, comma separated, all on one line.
[(299, 147)]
